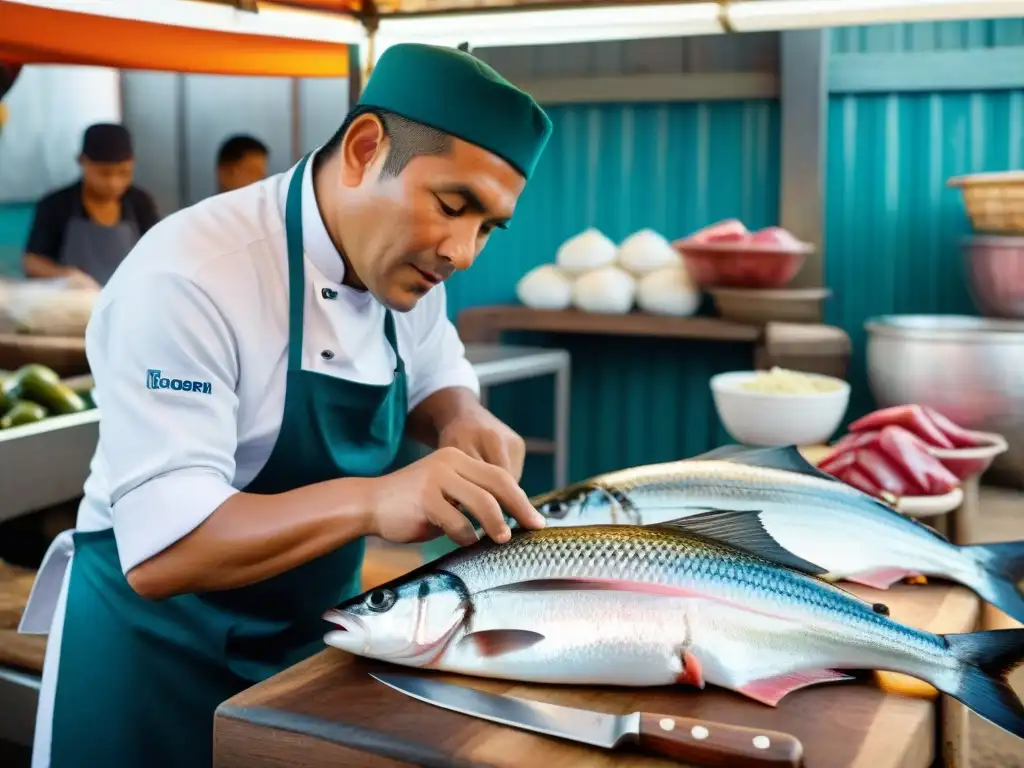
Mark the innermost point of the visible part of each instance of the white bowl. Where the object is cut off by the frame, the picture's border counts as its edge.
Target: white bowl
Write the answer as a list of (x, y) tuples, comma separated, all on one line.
[(777, 419)]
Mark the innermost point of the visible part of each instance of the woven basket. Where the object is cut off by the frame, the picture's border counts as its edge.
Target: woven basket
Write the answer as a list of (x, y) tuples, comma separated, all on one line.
[(994, 201)]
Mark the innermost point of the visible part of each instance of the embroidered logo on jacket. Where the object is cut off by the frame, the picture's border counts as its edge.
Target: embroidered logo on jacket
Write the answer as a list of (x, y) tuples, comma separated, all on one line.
[(155, 381)]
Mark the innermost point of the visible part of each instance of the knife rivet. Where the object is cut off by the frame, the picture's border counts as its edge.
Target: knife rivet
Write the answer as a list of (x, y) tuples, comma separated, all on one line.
[(699, 732), (762, 742), (667, 724)]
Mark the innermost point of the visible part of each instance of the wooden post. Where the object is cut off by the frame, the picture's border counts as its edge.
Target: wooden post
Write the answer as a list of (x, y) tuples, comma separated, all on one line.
[(803, 75)]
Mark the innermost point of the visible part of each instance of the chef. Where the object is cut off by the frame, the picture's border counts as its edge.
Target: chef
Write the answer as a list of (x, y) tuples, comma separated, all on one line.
[(84, 231), (258, 357)]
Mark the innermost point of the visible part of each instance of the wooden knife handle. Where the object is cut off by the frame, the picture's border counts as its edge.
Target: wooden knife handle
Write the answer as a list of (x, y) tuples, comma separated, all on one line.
[(707, 743)]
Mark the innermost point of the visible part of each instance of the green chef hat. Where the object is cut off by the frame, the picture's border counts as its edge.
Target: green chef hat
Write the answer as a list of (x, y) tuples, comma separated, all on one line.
[(455, 92)]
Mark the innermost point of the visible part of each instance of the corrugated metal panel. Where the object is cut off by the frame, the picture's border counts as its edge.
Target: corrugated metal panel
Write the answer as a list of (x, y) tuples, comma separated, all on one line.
[(755, 52), (893, 228), (15, 222), (673, 168), (929, 36)]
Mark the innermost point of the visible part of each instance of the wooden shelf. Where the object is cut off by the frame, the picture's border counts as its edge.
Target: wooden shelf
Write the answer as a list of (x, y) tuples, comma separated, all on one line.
[(810, 347), (485, 324)]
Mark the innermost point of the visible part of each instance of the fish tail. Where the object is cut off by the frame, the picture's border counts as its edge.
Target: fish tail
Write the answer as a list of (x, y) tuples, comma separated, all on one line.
[(986, 659), (1003, 569)]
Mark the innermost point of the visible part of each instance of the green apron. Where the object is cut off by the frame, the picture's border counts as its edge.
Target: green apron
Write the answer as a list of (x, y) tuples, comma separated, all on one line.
[(139, 680)]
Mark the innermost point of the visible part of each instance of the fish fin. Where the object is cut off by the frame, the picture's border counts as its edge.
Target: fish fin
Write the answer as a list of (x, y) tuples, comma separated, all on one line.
[(879, 578), (986, 659), (693, 670), (720, 453), (771, 690), (1003, 566), (787, 458), (743, 529), (497, 642)]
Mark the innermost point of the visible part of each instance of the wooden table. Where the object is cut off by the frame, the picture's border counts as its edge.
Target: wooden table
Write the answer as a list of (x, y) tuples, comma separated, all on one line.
[(844, 725)]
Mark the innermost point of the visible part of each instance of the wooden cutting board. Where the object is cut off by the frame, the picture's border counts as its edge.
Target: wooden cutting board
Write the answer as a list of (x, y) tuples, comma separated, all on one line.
[(842, 725)]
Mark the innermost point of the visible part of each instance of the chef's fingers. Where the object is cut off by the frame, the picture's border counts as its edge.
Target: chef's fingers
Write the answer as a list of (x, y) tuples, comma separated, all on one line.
[(516, 457), (479, 503), (494, 450), (470, 449), (502, 486), (444, 513)]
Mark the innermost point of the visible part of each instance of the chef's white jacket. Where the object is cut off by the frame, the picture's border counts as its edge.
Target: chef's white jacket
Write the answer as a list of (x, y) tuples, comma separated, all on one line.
[(203, 299)]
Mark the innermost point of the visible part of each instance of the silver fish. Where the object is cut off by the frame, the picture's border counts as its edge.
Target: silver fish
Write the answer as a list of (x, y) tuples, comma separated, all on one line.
[(656, 605), (838, 531)]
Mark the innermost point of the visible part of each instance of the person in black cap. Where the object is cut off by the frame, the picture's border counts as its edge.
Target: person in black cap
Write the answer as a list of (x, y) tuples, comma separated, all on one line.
[(241, 161), (85, 230)]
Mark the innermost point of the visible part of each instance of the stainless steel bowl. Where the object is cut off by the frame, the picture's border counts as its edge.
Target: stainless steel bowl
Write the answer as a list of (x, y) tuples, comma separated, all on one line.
[(969, 368), (995, 273)]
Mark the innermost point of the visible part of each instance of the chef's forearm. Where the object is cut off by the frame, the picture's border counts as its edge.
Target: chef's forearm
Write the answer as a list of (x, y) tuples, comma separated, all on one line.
[(40, 266), (429, 418), (251, 537)]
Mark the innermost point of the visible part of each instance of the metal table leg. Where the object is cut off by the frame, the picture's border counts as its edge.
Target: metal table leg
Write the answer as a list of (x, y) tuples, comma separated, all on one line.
[(562, 410)]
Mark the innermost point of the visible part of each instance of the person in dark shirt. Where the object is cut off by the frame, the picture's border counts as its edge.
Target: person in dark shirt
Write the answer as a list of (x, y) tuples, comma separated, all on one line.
[(241, 161), (85, 230)]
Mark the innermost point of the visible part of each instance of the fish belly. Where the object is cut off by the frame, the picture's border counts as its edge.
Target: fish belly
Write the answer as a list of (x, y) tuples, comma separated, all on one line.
[(585, 638), (738, 647)]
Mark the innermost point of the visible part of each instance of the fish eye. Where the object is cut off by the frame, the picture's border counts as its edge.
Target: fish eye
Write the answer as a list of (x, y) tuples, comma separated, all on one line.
[(555, 509), (380, 600)]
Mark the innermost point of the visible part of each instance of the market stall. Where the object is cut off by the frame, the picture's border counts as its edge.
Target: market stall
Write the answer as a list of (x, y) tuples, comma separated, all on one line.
[(868, 721)]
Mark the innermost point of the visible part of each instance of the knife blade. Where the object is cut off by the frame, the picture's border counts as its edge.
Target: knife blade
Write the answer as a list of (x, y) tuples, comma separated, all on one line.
[(698, 742)]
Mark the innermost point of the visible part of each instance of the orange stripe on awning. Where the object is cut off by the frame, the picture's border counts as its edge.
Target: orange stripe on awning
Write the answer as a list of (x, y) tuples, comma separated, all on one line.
[(337, 6), (29, 34)]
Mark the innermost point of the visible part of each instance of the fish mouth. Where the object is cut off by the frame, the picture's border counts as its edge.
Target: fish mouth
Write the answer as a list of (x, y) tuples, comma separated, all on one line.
[(348, 633)]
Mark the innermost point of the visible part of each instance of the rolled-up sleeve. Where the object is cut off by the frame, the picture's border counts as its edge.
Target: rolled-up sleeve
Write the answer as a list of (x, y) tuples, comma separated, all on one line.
[(165, 365), (439, 360)]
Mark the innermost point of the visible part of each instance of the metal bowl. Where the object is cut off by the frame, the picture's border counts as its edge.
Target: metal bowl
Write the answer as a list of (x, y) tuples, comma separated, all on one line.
[(969, 368), (995, 272)]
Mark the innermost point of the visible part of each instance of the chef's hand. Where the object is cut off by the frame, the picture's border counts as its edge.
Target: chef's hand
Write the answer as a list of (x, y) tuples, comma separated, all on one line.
[(78, 279), (480, 434), (421, 501)]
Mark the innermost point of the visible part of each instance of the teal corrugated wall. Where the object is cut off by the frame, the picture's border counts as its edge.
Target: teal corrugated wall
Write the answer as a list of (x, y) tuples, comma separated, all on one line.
[(929, 36), (671, 167), (15, 220), (893, 229)]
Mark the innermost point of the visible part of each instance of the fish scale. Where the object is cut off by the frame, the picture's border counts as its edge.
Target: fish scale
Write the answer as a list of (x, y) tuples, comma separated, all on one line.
[(656, 555)]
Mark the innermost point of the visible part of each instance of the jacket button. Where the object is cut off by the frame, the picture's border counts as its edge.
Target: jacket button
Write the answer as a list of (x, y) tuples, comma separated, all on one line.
[(328, 293), (327, 354)]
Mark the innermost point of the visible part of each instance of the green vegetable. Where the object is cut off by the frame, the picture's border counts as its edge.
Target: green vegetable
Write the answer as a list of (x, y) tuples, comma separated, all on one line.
[(55, 396), (41, 385), (22, 413), (37, 371), (10, 391)]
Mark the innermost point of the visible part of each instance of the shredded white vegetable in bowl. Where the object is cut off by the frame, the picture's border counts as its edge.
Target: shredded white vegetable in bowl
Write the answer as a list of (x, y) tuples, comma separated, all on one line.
[(780, 381)]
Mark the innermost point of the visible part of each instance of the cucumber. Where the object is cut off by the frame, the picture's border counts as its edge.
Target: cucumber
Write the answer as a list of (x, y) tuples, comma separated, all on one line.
[(22, 413), (53, 395), (10, 391), (39, 372)]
